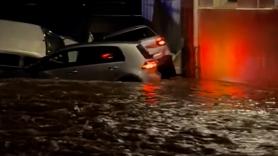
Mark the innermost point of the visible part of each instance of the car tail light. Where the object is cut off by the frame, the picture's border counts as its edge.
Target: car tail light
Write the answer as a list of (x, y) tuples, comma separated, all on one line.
[(160, 41), (149, 64)]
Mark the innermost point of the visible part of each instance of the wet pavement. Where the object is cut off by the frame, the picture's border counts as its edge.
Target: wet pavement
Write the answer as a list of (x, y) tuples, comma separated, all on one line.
[(174, 117)]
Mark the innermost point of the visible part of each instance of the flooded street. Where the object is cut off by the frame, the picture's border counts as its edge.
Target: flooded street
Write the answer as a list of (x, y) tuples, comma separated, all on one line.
[(175, 117)]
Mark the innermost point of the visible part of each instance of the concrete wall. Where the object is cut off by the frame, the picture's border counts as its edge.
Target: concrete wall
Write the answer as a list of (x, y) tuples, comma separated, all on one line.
[(239, 45)]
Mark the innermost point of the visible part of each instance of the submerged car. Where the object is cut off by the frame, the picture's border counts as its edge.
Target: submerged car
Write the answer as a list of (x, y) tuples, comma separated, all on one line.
[(30, 38), (99, 61), (12, 63), (155, 45)]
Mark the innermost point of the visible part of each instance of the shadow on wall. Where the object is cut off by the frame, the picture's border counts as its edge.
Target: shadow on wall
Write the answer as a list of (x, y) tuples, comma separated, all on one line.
[(164, 24)]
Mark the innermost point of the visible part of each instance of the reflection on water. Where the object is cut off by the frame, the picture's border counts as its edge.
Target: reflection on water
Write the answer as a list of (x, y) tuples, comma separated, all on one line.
[(174, 117), (213, 89), (224, 95), (149, 91)]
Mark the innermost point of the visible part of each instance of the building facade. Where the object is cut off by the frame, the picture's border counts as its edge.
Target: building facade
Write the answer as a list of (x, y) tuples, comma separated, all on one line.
[(238, 40), (230, 40)]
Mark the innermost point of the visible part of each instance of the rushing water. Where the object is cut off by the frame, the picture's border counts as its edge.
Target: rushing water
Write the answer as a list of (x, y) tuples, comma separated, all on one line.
[(174, 117)]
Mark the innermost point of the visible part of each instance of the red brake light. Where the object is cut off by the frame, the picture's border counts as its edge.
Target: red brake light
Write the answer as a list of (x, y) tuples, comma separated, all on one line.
[(160, 41), (106, 56), (149, 64)]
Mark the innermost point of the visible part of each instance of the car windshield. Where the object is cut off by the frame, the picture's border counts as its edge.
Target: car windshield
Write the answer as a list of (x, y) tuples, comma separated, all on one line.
[(29, 60), (53, 42)]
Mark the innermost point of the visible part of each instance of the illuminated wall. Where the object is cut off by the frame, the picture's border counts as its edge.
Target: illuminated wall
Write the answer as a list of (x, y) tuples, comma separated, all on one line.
[(239, 45)]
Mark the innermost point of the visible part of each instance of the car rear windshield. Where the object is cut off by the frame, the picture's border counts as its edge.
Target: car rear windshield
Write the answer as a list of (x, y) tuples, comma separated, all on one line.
[(144, 52), (132, 35)]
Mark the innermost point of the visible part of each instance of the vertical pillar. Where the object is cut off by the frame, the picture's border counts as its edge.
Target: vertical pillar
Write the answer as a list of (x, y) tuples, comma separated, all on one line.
[(188, 55), (196, 38)]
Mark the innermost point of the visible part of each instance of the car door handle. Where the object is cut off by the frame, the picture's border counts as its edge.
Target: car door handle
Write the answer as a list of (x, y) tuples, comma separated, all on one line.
[(113, 68)]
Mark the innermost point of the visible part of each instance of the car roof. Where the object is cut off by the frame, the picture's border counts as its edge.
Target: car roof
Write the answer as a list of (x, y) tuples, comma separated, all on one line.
[(22, 37), (21, 53), (99, 44), (110, 23), (129, 29)]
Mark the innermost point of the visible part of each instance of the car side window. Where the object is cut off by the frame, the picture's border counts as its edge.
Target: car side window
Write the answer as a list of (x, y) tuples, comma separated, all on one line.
[(72, 55), (110, 54), (9, 60), (99, 55), (84, 56)]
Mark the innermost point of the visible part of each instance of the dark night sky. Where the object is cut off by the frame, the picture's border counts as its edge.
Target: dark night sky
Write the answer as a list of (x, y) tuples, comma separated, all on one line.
[(70, 17), (74, 6)]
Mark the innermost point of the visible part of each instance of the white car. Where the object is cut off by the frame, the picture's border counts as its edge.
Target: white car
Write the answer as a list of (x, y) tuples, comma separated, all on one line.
[(29, 38), (12, 63), (154, 43), (122, 61)]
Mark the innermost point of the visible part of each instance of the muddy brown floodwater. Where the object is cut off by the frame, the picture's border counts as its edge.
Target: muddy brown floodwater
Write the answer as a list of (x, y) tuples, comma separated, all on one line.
[(174, 117)]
